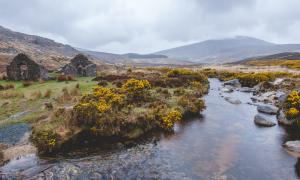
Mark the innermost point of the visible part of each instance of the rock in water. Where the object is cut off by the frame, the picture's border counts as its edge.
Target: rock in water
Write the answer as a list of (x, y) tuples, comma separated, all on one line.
[(246, 89), (293, 145), (267, 109), (262, 120), (232, 100), (233, 82), (282, 119)]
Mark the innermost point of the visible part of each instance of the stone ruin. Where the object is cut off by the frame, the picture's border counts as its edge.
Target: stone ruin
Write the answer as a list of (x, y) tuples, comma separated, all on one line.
[(16, 70), (79, 66)]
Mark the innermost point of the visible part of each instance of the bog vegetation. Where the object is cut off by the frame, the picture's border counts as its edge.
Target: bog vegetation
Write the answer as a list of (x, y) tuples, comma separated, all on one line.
[(141, 104), (292, 64)]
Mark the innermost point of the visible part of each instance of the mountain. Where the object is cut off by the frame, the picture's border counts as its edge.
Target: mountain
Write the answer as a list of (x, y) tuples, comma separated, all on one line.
[(281, 56), (144, 56), (108, 57), (227, 50)]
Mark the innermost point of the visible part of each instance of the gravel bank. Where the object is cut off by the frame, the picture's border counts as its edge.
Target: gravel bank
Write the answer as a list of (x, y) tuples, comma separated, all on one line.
[(12, 133)]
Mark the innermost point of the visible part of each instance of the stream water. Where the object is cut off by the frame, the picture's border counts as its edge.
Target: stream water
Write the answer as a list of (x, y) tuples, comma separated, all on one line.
[(222, 144)]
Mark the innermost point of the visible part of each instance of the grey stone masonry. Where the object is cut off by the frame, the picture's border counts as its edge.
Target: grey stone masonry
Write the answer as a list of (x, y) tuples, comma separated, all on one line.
[(79, 66), (33, 73)]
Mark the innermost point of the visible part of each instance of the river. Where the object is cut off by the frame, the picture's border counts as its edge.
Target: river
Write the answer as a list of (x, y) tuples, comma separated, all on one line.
[(222, 144)]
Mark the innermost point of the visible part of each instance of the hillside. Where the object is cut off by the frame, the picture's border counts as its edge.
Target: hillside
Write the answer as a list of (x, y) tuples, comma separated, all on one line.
[(280, 56), (42, 50), (227, 50)]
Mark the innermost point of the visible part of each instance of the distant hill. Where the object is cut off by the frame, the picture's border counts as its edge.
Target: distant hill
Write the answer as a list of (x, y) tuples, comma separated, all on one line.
[(227, 50), (280, 56), (146, 56), (107, 57)]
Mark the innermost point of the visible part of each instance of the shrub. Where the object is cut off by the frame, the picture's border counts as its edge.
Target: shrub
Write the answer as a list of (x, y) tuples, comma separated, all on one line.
[(46, 141), (47, 93), (196, 84), (179, 91), (158, 89), (61, 78), (129, 70), (41, 81), (137, 89), (164, 119), (10, 86), (71, 78), (103, 83), (119, 84), (27, 83), (165, 91)]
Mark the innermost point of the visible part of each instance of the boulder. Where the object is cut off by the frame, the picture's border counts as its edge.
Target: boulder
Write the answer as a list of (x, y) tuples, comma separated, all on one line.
[(277, 82), (282, 119), (256, 87), (232, 100), (227, 88), (246, 89), (233, 82), (259, 119), (267, 109), (292, 145)]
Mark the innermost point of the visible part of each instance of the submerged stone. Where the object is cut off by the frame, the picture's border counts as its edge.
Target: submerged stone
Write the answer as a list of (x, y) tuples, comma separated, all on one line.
[(293, 146), (262, 120), (232, 100), (267, 109), (246, 89)]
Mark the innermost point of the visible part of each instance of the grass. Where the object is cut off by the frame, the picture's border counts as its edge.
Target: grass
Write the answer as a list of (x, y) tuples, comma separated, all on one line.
[(22, 104)]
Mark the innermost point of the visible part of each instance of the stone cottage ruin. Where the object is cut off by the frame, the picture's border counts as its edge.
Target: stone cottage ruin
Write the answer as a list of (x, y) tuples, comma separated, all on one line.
[(24, 68), (80, 66)]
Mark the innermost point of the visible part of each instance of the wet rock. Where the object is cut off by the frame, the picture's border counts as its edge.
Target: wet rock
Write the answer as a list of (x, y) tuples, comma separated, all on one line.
[(232, 100), (293, 146), (233, 82), (69, 107), (246, 89), (256, 87), (282, 98), (35, 170), (262, 120), (249, 103), (277, 82), (282, 119), (227, 88), (267, 109), (255, 104)]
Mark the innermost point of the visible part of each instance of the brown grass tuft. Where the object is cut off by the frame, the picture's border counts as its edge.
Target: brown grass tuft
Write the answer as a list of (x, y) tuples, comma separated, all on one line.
[(77, 85), (64, 89), (74, 92), (10, 86), (1, 87), (27, 83), (41, 81), (35, 94), (47, 93), (61, 78), (6, 103), (71, 78)]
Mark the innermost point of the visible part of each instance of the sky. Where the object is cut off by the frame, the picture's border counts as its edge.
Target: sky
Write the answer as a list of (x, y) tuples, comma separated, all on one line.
[(148, 26)]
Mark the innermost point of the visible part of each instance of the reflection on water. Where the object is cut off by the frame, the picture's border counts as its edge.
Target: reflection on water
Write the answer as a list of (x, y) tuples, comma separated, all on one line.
[(222, 144)]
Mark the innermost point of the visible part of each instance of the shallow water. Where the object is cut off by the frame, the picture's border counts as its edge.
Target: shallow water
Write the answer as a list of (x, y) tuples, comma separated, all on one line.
[(223, 144)]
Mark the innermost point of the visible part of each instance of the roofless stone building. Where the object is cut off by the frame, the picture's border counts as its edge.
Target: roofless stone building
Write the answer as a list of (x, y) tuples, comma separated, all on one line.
[(24, 68), (80, 66)]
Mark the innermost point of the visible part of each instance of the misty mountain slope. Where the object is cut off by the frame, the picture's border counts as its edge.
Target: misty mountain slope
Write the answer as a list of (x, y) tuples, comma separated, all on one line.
[(227, 50), (281, 56)]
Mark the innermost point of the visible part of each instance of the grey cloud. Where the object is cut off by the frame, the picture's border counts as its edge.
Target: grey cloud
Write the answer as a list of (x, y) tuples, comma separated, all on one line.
[(121, 26)]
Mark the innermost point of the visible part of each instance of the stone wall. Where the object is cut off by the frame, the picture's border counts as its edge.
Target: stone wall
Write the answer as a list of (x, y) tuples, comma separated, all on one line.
[(79, 66), (33, 73)]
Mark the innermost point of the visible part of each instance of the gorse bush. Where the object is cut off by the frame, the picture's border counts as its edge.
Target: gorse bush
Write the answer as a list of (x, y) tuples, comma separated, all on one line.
[(164, 118), (137, 89), (293, 64), (291, 106), (196, 84)]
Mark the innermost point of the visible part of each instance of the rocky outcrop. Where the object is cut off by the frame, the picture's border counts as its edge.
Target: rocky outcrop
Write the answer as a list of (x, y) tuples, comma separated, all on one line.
[(282, 119), (259, 119), (227, 88), (233, 82), (232, 100), (267, 109)]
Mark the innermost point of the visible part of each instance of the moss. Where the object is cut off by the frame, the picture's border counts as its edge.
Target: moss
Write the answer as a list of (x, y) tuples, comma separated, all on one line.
[(136, 133)]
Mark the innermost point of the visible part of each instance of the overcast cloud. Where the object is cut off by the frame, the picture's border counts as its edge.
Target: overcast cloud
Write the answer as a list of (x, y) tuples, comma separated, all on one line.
[(146, 26)]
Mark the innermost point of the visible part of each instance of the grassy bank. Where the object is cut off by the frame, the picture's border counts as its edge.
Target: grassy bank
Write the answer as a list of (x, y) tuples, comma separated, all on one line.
[(139, 104)]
